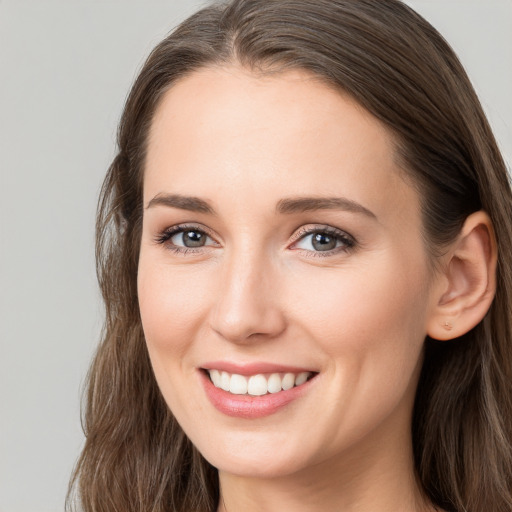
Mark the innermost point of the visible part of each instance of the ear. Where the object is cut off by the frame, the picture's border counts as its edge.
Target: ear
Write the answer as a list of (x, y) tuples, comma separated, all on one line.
[(467, 283)]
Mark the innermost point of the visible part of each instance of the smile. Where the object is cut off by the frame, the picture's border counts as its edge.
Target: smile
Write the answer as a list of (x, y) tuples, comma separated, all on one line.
[(257, 385), (254, 391)]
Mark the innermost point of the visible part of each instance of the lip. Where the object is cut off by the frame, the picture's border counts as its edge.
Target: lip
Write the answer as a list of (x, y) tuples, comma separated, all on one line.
[(253, 368), (247, 406)]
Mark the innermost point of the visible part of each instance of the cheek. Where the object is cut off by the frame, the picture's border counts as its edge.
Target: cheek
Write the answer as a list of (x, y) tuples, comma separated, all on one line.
[(370, 315), (369, 322), (172, 305)]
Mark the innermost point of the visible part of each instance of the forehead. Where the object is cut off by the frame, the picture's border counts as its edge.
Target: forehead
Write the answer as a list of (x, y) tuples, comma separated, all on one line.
[(227, 132)]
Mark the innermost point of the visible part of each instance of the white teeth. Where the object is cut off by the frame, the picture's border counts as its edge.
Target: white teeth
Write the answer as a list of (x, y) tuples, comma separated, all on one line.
[(238, 384), (301, 378), (274, 383), (288, 381), (216, 379), (224, 381), (257, 385)]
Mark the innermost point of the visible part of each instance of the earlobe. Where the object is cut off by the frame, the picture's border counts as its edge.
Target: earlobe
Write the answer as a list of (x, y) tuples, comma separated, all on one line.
[(468, 280)]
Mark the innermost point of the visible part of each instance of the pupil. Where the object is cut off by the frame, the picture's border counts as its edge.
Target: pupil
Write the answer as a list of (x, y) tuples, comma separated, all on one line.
[(323, 242), (193, 239)]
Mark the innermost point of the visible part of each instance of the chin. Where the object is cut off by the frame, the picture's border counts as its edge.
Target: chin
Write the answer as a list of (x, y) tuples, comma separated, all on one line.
[(255, 467), (253, 459)]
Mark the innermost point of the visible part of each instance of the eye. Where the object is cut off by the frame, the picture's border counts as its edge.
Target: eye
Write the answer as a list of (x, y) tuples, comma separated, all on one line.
[(184, 238), (327, 240), (190, 238)]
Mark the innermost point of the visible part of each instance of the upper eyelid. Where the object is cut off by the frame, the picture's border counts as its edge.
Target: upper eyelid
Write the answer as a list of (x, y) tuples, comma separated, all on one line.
[(189, 227), (316, 228), (349, 241), (164, 236)]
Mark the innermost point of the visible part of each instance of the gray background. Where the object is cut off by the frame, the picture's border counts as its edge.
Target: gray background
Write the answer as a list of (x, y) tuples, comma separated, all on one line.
[(65, 68)]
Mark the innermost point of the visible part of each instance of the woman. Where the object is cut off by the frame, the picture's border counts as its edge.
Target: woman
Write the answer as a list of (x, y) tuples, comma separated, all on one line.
[(304, 249)]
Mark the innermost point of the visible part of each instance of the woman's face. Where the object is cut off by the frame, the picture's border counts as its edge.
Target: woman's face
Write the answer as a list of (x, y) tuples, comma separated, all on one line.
[(280, 243)]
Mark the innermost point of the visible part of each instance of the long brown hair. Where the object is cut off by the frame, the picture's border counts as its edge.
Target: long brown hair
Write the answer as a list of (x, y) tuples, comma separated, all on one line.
[(398, 67)]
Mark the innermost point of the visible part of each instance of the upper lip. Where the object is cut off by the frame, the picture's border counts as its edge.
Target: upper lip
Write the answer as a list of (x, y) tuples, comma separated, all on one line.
[(253, 368)]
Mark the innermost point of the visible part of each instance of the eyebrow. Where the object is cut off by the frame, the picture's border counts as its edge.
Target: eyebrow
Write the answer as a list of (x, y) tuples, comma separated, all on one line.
[(192, 204), (307, 204), (284, 206)]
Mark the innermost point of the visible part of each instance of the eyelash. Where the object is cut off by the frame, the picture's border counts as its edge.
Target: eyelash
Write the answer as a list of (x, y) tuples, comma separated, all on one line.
[(348, 241), (164, 237)]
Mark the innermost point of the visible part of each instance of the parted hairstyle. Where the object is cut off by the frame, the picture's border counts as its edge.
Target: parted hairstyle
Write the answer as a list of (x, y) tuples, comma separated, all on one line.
[(136, 457)]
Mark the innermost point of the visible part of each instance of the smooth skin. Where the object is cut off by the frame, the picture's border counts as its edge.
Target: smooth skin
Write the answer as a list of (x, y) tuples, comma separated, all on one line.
[(229, 155)]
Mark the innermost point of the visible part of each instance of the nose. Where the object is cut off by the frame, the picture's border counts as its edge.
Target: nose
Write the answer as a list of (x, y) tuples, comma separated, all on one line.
[(247, 307)]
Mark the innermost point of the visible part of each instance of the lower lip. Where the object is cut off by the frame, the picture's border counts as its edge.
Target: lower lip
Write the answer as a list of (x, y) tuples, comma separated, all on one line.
[(247, 406)]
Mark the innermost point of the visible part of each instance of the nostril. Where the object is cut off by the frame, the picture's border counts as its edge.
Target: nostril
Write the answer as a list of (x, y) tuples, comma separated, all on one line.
[(249, 328)]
